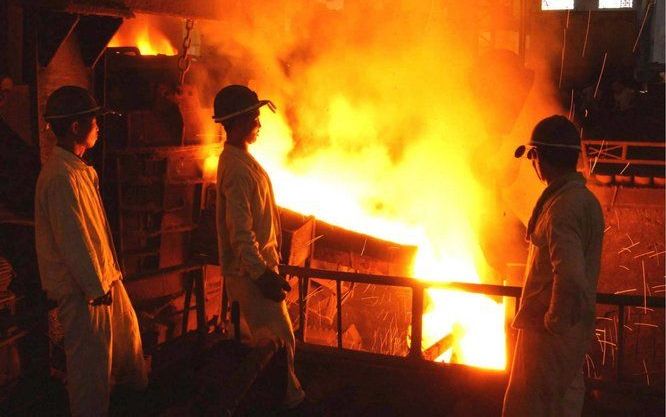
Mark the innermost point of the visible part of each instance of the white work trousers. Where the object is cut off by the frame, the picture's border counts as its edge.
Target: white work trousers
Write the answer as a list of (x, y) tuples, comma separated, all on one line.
[(102, 347), (262, 318), (546, 377)]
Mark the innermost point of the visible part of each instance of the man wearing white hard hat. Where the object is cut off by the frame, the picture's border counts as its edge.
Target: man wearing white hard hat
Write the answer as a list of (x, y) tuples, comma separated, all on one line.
[(78, 265), (249, 232), (556, 318)]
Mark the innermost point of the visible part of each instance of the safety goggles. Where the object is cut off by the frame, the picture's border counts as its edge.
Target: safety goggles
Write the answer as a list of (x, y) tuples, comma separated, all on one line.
[(530, 150)]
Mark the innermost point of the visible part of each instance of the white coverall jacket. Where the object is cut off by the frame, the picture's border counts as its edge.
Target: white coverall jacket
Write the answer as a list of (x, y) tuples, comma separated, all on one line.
[(77, 263), (248, 233), (557, 311)]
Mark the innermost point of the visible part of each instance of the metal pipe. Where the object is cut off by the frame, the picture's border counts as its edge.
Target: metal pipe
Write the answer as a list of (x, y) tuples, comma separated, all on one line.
[(224, 308), (338, 300), (522, 31), (396, 281), (235, 320), (302, 296), (631, 300), (199, 287), (439, 347), (620, 341), (417, 324), (189, 282)]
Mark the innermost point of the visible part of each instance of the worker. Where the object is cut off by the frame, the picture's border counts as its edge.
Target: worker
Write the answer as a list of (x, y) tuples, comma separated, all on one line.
[(556, 318), (78, 263), (248, 231)]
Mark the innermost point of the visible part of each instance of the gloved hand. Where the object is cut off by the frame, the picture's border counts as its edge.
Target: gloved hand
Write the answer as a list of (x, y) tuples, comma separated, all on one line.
[(103, 300), (272, 285)]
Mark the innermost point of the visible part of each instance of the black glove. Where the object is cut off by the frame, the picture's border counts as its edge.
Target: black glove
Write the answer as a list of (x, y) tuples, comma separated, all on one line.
[(272, 285), (103, 300)]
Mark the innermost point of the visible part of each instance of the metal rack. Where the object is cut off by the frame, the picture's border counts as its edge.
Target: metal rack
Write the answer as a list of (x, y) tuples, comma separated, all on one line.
[(158, 193)]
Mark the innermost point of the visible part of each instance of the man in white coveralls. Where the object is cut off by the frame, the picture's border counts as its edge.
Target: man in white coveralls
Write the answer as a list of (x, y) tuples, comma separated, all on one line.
[(248, 231), (556, 318), (78, 263)]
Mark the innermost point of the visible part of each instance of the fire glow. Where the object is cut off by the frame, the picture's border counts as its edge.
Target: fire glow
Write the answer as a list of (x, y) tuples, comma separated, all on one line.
[(142, 34), (377, 132), (342, 188), (334, 190)]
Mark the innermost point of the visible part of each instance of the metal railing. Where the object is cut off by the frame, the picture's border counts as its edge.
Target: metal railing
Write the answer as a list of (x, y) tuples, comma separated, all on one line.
[(418, 287), (618, 152)]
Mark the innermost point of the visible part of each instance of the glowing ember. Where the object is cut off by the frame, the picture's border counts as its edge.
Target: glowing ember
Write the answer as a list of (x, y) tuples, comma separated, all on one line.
[(140, 33)]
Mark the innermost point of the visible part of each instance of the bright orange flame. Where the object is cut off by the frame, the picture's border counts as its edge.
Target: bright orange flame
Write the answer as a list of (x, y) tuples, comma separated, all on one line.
[(139, 33), (210, 165), (323, 188), (387, 139)]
